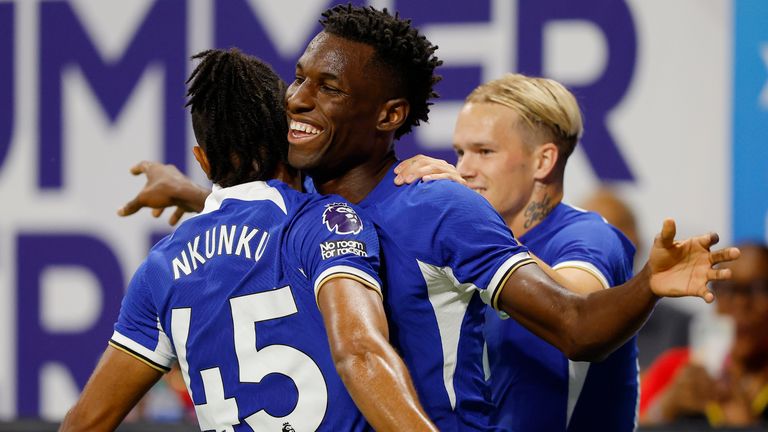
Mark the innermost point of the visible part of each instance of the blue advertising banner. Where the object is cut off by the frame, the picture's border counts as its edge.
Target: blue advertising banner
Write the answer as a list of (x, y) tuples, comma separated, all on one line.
[(750, 120)]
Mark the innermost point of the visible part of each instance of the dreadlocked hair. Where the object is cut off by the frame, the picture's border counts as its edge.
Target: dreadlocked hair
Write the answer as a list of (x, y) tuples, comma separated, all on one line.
[(408, 56), (238, 111)]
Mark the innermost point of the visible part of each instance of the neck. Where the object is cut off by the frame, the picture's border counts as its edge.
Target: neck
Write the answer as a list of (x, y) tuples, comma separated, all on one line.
[(544, 198), (289, 175), (357, 182)]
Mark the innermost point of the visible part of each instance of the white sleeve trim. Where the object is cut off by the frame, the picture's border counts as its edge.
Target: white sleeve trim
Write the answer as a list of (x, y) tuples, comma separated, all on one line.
[(346, 270), (488, 294), (587, 267), (158, 357)]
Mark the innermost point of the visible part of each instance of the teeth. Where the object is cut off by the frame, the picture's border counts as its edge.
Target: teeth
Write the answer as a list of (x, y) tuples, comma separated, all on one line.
[(304, 127)]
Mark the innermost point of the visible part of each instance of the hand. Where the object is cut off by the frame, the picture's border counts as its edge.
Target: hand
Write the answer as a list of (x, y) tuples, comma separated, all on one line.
[(683, 268), (166, 187), (425, 168)]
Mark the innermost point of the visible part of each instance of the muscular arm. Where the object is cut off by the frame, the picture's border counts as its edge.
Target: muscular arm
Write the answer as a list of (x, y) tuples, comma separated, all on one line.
[(373, 373), (590, 327), (583, 327), (115, 387)]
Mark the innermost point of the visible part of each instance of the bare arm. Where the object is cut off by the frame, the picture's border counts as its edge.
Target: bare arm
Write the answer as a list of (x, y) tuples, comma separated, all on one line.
[(591, 327), (373, 373), (166, 187), (115, 387), (573, 279)]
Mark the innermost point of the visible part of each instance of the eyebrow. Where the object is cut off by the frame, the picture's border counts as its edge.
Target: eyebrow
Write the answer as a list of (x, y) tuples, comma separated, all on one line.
[(476, 144)]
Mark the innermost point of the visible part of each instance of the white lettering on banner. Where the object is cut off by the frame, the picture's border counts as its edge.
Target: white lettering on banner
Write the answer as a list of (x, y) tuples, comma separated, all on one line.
[(181, 264)]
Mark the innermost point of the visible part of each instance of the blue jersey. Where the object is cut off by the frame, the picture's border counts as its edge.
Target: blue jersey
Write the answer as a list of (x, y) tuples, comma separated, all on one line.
[(232, 295), (445, 251), (534, 385)]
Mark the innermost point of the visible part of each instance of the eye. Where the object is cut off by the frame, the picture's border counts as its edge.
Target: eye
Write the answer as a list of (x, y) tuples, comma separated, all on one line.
[(329, 89), (459, 153), (298, 79), (485, 152)]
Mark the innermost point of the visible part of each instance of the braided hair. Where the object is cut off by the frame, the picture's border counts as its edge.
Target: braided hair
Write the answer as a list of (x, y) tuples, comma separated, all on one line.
[(238, 115), (407, 56)]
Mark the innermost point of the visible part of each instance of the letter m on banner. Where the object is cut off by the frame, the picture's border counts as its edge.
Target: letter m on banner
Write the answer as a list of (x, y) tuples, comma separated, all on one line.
[(160, 39)]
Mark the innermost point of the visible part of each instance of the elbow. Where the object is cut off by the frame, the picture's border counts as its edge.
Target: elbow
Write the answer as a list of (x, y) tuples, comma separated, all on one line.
[(585, 352), (356, 355), (579, 344)]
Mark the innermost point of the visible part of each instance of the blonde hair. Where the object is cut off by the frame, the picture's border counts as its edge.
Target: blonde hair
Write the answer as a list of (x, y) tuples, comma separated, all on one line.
[(549, 112)]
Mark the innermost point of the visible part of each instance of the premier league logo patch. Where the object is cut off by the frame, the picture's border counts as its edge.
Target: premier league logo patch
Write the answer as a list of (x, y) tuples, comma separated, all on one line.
[(341, 219)]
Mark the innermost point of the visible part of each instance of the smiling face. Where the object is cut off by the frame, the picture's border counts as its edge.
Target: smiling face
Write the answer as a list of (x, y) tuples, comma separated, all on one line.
[(333, 105), (493, 158)]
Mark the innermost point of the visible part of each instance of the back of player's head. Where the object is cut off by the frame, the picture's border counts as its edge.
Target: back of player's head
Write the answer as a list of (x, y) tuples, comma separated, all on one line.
[(407, 58), (238, 115), (547, 110)]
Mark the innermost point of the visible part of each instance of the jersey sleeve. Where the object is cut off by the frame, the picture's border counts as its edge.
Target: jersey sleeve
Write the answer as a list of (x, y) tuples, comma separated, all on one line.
[(137, 330), (595, 247), (330, 239), (466, 235)]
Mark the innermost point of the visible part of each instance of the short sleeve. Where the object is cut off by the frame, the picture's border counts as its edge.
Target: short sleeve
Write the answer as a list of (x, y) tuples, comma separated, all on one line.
[(331, 239), (461, 231), (596, 247), (138, 331)]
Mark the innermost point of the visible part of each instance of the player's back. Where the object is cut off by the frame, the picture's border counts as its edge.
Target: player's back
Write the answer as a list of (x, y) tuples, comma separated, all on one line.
[(234, 291), (443, 247)]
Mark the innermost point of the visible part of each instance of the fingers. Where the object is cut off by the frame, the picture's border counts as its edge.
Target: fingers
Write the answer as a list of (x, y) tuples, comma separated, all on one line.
[(718, 274), (176, 216), (130, 207), (668, 231), (157, 212), (420, 166), (445, 176), (724, 255), (141, 167)]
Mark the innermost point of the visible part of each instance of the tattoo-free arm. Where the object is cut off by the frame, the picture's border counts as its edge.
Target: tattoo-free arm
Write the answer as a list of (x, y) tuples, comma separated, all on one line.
[(573, 279), (166, 187), (591, 327), (115, 387), (373, 373)]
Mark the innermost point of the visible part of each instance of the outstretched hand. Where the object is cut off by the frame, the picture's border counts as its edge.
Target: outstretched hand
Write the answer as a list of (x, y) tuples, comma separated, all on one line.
[(166, 187), (683, 268), (425, 168)]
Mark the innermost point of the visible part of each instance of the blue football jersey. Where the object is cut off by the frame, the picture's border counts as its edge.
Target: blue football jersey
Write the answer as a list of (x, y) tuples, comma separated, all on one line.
[(535, 387), (232, 295), (445, 251)]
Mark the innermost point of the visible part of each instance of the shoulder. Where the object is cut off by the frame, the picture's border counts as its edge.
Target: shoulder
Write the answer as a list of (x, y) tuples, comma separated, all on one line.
[(589, 227), (443, 197)]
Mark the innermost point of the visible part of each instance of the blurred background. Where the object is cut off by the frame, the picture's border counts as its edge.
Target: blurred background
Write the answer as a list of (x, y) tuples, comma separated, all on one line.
[(674, 93)]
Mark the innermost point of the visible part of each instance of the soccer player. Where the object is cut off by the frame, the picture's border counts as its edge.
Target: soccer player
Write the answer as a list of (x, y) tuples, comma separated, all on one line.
[(513, 138), (243, 294), (365, 80)]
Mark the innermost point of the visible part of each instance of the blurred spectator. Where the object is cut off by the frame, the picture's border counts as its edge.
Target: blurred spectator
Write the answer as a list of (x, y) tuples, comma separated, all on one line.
[(668, 326), (678, 386), (605, 203)]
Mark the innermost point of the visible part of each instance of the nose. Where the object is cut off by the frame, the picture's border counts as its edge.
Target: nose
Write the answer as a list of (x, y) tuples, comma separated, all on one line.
[(465, 165), (298, 97)]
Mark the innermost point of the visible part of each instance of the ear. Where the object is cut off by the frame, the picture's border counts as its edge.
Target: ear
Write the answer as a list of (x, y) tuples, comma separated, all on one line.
[(393, 114), (202, 159), (545, 158)]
